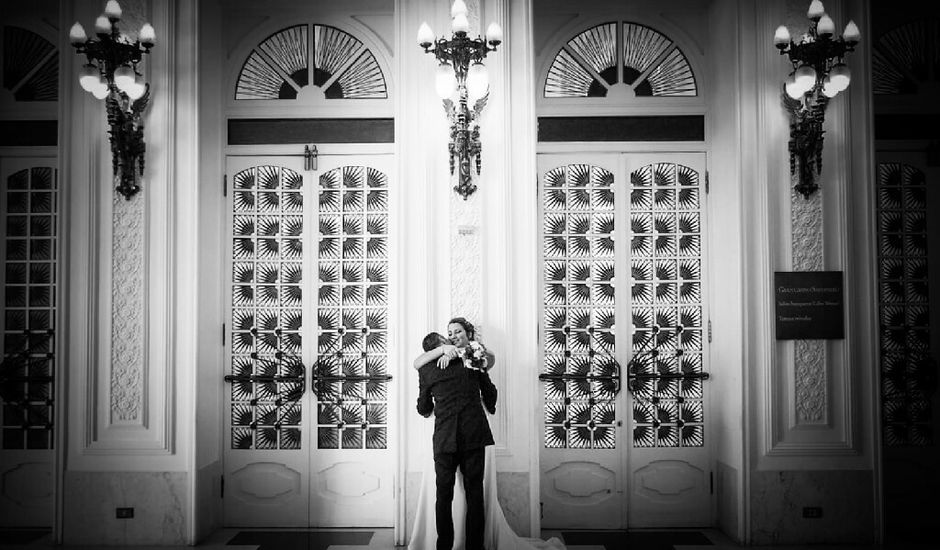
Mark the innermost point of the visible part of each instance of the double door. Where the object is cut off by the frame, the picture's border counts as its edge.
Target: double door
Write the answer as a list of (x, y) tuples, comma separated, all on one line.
[(623, 330), (308, 384)]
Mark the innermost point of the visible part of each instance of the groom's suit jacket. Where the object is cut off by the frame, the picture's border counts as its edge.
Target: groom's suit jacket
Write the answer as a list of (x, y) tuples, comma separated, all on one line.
[(453, 395)]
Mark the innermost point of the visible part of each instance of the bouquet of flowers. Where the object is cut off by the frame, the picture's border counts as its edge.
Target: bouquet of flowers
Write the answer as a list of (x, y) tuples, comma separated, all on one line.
[(473, 356)]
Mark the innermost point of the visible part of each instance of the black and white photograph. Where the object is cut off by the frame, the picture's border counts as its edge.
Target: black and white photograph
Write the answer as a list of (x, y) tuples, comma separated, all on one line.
[(469, 274)]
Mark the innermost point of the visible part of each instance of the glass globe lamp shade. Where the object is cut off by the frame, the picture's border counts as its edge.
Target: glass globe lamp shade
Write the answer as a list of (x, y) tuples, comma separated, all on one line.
[(112, 10), (459, 7), (828, 89), (136, 90), (816, 10), (445, 82), (460, 24), (851, 34), (494, 34), (477, 80), (101, 90), (840, 76), (781, 37), (77, 35), (792, 89), (805, 77), (147, 36), (425, 35), (89, 77), (124, 78), (826, 27)]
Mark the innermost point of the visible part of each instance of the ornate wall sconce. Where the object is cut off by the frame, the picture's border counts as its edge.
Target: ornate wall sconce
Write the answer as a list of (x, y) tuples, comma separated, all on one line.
[(461, 71), (111, 74), (818, 75)]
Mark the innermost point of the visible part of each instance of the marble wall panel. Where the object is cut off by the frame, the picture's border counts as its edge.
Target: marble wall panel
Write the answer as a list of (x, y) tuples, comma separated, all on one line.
[(778, 499), (158, 498)]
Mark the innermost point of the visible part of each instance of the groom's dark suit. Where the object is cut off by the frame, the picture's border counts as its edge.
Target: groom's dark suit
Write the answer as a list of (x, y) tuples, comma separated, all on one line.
[(460, 434)]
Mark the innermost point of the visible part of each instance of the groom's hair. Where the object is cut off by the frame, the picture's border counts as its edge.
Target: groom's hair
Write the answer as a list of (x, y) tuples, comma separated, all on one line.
[(431, 341)]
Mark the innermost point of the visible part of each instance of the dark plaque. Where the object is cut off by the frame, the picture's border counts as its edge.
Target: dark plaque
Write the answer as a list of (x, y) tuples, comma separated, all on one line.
[(809, 305)]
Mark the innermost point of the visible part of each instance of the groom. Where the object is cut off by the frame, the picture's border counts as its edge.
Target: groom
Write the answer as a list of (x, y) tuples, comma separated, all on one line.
[(460, 434)]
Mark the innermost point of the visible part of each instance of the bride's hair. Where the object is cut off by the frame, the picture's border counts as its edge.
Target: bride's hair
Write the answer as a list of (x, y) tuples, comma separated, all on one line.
[(467, 326)]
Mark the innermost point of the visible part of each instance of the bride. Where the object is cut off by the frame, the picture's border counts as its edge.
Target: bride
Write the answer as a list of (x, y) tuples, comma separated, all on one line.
[(497, 535)]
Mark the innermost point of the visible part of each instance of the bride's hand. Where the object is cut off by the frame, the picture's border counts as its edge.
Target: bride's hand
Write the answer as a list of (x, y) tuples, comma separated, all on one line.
[(448, 352)]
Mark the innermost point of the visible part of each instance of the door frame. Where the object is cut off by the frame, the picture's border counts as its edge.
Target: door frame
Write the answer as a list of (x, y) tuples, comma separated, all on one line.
[(396, 317), (628, 148)]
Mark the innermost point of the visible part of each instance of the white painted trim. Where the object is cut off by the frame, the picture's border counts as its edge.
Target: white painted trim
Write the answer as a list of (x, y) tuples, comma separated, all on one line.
[(186, 239)]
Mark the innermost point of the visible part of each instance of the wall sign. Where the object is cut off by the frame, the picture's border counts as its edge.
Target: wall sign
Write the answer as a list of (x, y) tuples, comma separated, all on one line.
[(809, 305)]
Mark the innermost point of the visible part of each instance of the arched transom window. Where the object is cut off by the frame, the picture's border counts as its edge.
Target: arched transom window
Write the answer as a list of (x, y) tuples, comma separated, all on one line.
[(620, 59), (310, 59), (30, 66), (906, 58)]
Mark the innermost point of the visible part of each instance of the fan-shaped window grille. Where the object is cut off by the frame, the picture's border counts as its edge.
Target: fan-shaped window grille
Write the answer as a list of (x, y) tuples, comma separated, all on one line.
[(291, 60), (30, 65), (628, 57), (905, 58), (904, 312)]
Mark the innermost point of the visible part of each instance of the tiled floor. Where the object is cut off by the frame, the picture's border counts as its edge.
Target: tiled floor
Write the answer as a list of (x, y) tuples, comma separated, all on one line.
[(384, 539)]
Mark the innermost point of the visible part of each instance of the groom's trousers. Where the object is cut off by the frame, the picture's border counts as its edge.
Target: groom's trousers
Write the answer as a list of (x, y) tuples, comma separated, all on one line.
[(471, 463)]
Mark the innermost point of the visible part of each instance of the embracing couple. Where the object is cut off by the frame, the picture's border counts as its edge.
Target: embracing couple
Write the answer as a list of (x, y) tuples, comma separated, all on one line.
[(454, 385)]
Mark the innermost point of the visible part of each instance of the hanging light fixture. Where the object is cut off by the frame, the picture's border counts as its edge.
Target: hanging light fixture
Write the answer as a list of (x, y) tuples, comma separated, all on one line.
[(818, 75), (111, 73), (461, 71)]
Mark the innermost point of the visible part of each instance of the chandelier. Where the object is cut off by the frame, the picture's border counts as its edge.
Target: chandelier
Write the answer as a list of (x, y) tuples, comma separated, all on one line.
[(461, 72), (111, 73), (818, 74)]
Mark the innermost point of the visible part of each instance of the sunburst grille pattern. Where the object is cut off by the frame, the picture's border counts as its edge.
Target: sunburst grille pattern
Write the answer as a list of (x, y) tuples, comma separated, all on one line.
[(29, 309), (904, 313), (652, 65), (906, 58), (282, 65), (352, 302), (578, 304), (666, 305), (30, 65), (267, 223)]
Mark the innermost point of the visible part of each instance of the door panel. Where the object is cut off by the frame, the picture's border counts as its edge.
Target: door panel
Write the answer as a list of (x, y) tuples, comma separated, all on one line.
[(669, 454), (309, 401), (581, 454), (28, 292), (638, 216)]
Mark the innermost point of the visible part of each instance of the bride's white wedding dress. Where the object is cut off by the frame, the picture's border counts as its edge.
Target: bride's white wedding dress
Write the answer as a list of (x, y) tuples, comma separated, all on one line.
[(498, 534)]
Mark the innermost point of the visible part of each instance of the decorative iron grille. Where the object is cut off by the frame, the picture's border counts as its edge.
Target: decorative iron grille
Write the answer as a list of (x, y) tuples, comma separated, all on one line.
[(666, 306), (337, 63), (28, 367), (666, 371), (908, 372), (582, 377), (352, 305), (267, 272), (638, 57)]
